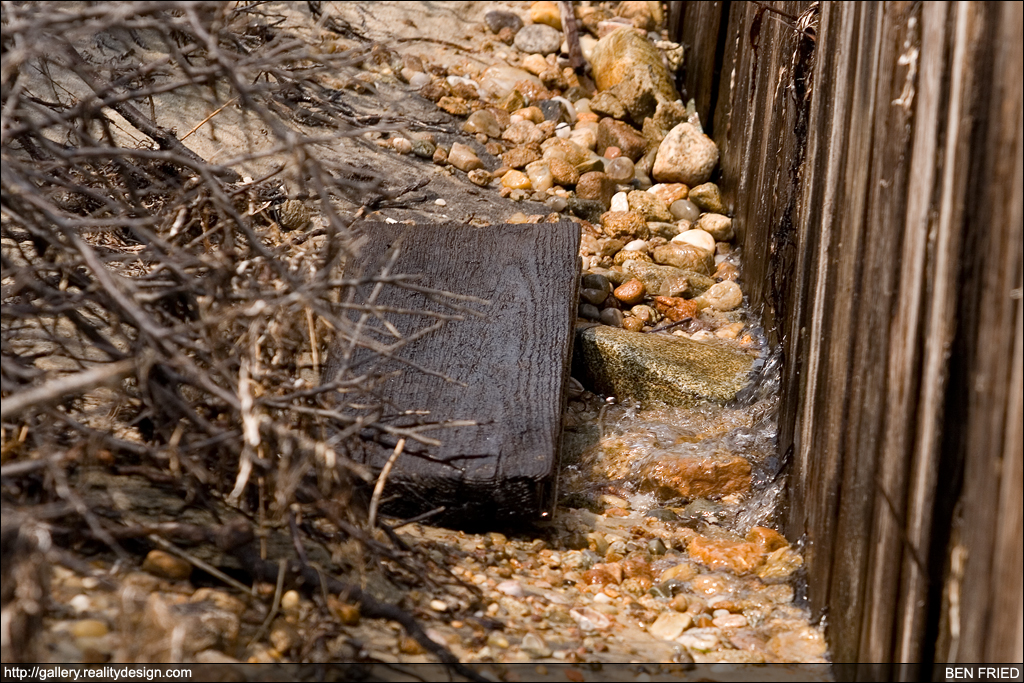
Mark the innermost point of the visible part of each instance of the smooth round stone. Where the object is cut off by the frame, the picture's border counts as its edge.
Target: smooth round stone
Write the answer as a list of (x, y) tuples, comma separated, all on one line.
[(701, 639), (612, 317), (620, 202), (539, 39), (594, 296), (697, 238), (582, 106), (620, 169), (630, 293), (636, 245), (632, 324), (563, 130), (647, 314), (612, 152), (499, 19), (670, 625), (540, 175), (556, 203), (589, 311), (482, 121), (684, 209), (419, 79), (597, 281), (723, 296), (402, 145), (730, 621)]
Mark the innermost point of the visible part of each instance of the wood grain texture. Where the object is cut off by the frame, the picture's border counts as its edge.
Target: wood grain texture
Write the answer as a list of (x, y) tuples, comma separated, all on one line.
[(876, 183), (505, 369)]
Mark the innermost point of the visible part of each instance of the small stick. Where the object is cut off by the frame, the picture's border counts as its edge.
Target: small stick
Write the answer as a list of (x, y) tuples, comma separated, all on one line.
[(312, 340), (282, 568), (378, 489), (200, 124), (572, 37)]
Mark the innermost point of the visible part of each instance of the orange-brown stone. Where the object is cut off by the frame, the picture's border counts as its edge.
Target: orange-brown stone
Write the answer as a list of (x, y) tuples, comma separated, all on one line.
[(739, 557), (697, 477), (676, 308)]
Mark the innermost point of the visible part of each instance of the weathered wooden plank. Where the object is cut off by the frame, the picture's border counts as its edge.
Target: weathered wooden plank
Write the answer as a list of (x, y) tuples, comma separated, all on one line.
[(505, 370), (696, 27)]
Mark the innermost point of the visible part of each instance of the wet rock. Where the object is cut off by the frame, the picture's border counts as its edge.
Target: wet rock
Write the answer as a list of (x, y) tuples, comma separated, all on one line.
[(539, 39), (597, 281), (726, 271), (624, 256), (632, 324), (612, 317), (593, 296), (612, 133), (166, 566), (801, 645), (589, 311), (708, 197), (523, 133), (518, 157), (629, 63), (686, 156), (499, 80), (718, 226), (739, 557), (564, 173), (696, 238), (780, 564), (684, 256), (464, 158), (649, 206), (684, 571), (589, 619), (676, 309), (597, 186), (621, 224), (499, 19), (670, 625), (482, 121), (667, 231), (631, 292), (700, 639), (654, 367), (722, 296), (668, 280)]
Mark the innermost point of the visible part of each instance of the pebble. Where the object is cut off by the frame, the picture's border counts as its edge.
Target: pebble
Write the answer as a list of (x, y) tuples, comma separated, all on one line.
[(589, 311), (419, 80), (631, 292), (540, 175), (535, 646), (650, 207), (700, 639), (479, 177), (563, 130), (482, 121), (500, 80), (499, 19), (621, 170), (89, 628), (553, 110), (612, 317), (423, 149), (593, 296), (729, 620), (438, 605), (402, 145), (624, 224), (556, 203), (563, 172), (684, 210), (686, 155), (166, 566), (546, 12), (722, 296), (684, 256), (535, 64), (597, 186), (440, 202), (632, 324), (697, 238), (464, 158), (589, 619), (708, 197), (669, 192), (619, 202), (670, 625), (80, 604), (523, 132), (718, 226), (621, 135), (538, 38)]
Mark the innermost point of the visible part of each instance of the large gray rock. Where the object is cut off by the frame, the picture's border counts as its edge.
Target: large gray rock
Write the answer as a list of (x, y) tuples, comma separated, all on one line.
[(652, 368)]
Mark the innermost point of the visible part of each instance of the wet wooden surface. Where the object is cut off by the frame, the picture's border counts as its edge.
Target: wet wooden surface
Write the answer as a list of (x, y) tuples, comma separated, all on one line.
[(503, 365), (874, 174)]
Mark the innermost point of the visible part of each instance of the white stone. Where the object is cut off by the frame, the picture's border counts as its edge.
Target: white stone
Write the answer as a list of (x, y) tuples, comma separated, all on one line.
[(670, 625), (635, 245), (697, 238), (701, 639), (619, 202)]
